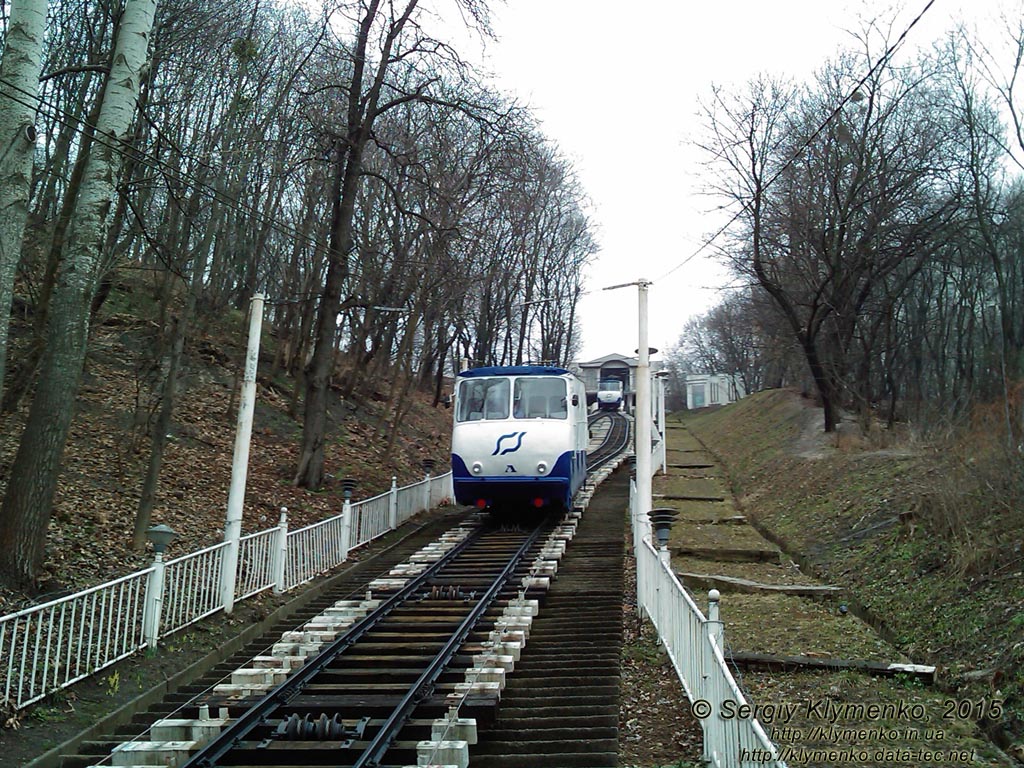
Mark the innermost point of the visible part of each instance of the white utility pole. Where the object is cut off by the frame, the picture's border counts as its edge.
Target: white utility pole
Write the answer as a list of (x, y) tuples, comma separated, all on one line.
[(642, 411), (240, 462)]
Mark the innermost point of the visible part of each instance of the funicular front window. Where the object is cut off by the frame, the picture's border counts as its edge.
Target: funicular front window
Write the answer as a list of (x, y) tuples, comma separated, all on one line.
[(484, 398), (540, 398)]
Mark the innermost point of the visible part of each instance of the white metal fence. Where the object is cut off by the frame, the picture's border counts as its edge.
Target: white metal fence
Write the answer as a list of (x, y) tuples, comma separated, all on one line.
[(694, 643), (51, 646)]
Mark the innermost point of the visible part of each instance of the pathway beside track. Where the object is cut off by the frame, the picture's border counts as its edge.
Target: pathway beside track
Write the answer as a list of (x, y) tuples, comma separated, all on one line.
[(561, 705), (795, 644)]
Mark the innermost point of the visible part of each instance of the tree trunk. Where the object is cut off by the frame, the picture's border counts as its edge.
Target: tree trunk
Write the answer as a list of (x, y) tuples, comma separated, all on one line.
[(19, 71), (151, 481), (24, 373), (362, 111), (310, 471), (822, 382), (27, 506)]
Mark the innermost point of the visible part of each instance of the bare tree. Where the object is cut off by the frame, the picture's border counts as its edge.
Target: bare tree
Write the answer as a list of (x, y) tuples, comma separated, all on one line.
[(369, 94), (27, 504), (839, 215)]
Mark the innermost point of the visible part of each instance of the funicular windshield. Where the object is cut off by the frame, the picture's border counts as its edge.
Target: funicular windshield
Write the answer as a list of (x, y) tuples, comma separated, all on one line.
[(484, 398), (610, 385), (540, 398)]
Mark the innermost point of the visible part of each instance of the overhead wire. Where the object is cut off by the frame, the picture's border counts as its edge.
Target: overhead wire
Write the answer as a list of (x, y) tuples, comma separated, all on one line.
[(807, 143)]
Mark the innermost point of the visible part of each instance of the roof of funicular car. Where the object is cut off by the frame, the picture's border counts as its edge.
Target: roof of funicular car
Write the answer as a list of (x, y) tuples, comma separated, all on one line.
[(515, 370)]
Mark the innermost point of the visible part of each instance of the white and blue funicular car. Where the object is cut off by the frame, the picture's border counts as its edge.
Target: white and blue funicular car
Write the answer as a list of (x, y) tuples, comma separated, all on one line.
[(520, 437), (609, 395)]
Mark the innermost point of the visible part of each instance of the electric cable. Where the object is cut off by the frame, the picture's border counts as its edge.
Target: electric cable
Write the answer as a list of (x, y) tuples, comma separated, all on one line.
[(807, 143)]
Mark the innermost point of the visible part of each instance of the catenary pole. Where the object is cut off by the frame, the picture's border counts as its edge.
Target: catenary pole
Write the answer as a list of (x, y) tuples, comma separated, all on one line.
[(240, 461), (642, 406), (642, 417)]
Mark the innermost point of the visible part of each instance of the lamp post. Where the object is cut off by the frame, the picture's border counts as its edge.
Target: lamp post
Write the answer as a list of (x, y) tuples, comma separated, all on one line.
[(661, 378), (662, 519), (161, 536), (347, 486), (428, 468)]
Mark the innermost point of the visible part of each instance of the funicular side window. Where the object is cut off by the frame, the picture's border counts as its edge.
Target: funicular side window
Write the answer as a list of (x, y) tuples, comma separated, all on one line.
[(484, 398), (540, 398)]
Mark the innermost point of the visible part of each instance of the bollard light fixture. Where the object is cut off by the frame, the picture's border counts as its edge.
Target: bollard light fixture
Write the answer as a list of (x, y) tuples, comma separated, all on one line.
[(662, 519), (347, 486), (428, 466), (161, 535)]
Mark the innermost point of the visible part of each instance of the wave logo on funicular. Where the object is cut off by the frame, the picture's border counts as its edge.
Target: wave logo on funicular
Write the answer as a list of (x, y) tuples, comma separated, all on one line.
[(517, 436)]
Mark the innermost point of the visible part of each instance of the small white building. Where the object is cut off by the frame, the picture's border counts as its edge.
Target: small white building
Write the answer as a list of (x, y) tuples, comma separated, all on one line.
[(704, 389)]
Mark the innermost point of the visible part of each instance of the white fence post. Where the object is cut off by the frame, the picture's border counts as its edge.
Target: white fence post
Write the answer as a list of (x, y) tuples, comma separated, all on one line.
[(346, 529), (428, 467), (714, 737), (281, 553), (715, 626), (393, 504), (154, 601)]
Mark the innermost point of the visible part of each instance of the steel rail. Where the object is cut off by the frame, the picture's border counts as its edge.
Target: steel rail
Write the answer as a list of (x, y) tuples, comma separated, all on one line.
[(424, 685), (616, 440), (257, 715)]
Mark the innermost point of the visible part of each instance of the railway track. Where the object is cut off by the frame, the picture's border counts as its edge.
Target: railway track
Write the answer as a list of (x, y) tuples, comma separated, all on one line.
[(411, 667), (368, 696), (96, 748), (616, 438)]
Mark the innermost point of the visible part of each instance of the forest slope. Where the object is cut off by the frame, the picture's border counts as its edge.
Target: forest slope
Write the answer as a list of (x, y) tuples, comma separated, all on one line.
[(108, 449)]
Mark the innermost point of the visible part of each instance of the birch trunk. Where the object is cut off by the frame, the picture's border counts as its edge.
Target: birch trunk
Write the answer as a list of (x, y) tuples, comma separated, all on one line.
[(19, 71), (28, 503)]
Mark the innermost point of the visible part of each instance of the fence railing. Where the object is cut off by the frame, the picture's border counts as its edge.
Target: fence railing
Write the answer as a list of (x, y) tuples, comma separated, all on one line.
[(694, 644), (53, 645)]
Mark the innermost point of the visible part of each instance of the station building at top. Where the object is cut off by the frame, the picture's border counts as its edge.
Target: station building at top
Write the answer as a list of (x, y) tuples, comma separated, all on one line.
[(701, 390)]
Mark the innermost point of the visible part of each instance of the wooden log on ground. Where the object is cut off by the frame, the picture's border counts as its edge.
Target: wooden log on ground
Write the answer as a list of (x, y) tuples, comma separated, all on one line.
[(745, 586), (794, 663), (729, 554), (680, 497)]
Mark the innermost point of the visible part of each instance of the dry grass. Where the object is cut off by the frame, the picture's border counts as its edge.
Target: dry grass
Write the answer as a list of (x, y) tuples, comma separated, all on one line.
[(976, 501), (925, 535)]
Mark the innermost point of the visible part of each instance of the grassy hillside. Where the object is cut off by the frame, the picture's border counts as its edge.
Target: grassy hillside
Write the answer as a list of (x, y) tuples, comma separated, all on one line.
[(926, 537)]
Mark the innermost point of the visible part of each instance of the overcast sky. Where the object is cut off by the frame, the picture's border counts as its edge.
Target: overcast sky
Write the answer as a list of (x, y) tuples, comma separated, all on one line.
[(618, 90)]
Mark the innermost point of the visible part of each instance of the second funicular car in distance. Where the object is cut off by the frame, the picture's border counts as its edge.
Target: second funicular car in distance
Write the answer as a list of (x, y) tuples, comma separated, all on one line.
[(609, 395), (520, 436)]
